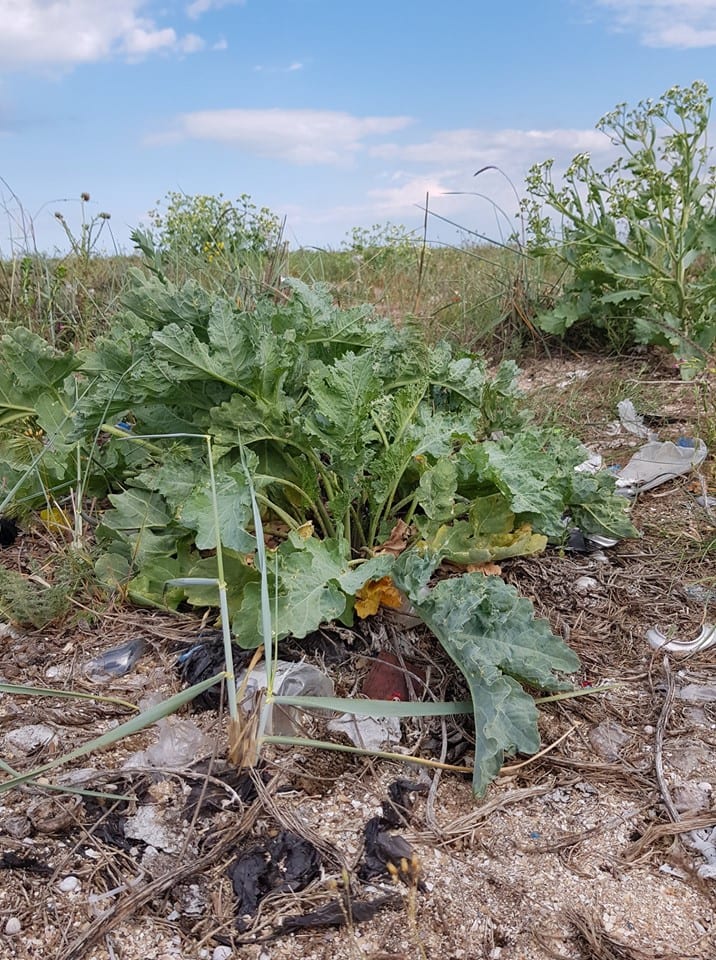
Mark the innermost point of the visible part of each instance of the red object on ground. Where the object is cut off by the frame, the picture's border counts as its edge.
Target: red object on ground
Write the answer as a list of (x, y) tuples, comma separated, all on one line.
[(386, 679)]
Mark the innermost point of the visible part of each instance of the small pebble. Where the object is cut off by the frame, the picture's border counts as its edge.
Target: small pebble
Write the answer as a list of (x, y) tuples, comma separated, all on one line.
[(221, 953), (12, 926), (68, 884)]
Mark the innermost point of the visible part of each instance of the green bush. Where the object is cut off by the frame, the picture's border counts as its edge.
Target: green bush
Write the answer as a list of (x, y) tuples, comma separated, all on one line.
[(212, 227), (639, 238)]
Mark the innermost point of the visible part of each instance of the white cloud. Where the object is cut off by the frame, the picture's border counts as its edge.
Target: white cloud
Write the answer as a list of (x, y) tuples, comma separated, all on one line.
[(68, 32), (467, 148), (291, 68), (191, 43), (444, 167), (666, 23), (296, 136), (198, 7)]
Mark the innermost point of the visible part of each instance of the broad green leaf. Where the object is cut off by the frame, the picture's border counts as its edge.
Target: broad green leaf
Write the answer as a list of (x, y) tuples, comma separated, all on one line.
[(438, 487), (492, 636), (461, 544), (618, 296), (237, 573), (136, 508), (596, 509), (149, 587), (534, 472), (175, 477), (314, 579), (35, 366), (161, 302), (146, 545), (180, 355), (112, 569), (342, 395), (233, 502), (228, 340)]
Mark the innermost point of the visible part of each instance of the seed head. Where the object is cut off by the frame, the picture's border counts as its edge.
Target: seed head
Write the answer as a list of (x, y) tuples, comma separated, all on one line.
[(84, 196)]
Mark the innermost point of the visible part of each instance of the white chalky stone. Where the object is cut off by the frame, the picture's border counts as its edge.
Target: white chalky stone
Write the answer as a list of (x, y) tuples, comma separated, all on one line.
[(68, 884)]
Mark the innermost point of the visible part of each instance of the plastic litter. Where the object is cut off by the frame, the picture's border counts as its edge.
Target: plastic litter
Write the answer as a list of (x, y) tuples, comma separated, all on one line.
[(290, 680), (179, 744), (705, 842), (578, 543), (593, 463), (692, 796), (8, 531), (633, 421), (382, 845), (117, 661), (69, 884), (387, 679), (28, 739), (586, 585), (369, 733), (705, 639), (287, 863), (656, 462), (150, 825)]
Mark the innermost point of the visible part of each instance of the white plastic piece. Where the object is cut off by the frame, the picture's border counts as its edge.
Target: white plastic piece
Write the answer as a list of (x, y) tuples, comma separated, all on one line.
[(369, 733), (633, 421), (705, 842), (706, 639), (593, 464), (655, 463)]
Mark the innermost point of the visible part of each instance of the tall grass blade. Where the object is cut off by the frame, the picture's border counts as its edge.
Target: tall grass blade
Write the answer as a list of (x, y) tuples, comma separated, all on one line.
[(127, 729)]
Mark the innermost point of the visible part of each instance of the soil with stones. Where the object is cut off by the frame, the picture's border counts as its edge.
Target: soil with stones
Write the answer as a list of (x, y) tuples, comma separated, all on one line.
[(602, 846)]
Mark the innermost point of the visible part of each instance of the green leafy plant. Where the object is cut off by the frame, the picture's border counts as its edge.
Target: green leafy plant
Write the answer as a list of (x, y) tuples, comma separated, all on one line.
[(330, 429), (639, 238), (383, 246), (210, 226)]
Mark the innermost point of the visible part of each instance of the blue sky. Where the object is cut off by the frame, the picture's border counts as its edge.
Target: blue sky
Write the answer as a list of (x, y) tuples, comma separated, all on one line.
[(333, 114)]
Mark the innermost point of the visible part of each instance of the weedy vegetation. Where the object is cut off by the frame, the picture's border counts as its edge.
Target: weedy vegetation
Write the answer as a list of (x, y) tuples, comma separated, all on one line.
[(258, 439), (637, 239)]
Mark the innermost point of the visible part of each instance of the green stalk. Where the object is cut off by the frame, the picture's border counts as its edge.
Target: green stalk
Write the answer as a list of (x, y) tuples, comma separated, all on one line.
[(266, 624), (321, 515), (286, 517), (223, 602)]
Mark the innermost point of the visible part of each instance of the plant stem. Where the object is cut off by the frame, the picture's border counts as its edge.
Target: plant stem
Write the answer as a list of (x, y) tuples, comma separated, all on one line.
[(223, 601)]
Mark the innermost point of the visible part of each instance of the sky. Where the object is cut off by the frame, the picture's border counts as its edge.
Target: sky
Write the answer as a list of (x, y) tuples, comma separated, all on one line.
[(332, 114)]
